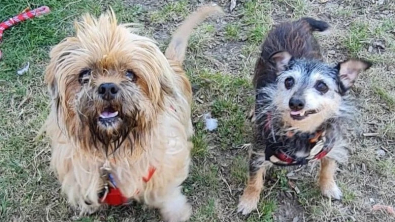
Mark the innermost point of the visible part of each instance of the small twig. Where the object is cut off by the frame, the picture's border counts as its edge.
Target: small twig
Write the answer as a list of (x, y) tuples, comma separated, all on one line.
[(271, 188), (24, 101), (199, 100), (39, 153), (293, 186), (386, 150), (227, 184), (370, 134)]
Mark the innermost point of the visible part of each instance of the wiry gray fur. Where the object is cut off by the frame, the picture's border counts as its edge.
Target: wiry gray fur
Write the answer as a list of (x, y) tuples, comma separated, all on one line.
[(335, 125)]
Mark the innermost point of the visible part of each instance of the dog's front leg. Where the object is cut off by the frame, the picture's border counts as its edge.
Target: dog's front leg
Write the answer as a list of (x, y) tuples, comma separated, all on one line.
[(327, 179), (257, 172)]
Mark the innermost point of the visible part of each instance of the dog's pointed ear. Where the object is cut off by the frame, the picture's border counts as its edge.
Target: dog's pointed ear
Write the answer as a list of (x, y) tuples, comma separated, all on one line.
[(281, 60), (350, 69)]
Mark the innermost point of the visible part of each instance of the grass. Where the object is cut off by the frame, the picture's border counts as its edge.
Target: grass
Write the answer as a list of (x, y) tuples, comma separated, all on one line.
[(257, 19), (202, 37), (232, 31), (299, 8), (200, 147), (238, 169), (220, 60), (358, 38), (171, 11), (385, 96), (266, 208)]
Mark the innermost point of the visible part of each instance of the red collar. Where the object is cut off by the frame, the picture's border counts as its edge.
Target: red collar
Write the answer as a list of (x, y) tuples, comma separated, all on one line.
[(318, 151), (114, 196)]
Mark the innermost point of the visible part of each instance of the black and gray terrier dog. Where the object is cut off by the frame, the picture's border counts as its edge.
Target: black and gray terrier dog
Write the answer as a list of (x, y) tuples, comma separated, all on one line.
[(301, 106)]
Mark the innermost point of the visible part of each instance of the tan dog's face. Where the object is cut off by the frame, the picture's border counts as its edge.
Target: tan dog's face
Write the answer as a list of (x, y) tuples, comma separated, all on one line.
[(107, 82)]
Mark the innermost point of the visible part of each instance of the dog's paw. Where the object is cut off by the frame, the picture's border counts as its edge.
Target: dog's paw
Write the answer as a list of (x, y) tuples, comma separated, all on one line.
[(176, 209), (331, 190), (177, 214), (248, 202)]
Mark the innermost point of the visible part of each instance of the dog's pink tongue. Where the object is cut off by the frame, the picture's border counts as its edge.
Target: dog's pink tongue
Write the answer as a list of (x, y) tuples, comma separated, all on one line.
[(107, 114), (295, 113)]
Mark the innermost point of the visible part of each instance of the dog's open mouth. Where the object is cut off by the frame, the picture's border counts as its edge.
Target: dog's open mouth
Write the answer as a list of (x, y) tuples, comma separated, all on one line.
[(299, 115), (108, 115)]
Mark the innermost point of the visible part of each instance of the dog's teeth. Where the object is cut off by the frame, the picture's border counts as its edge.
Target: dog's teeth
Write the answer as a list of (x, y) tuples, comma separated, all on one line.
[(302, 113)]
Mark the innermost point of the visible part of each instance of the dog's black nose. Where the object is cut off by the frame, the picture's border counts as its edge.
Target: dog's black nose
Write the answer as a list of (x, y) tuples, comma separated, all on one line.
[(296, 104), (108, 91)]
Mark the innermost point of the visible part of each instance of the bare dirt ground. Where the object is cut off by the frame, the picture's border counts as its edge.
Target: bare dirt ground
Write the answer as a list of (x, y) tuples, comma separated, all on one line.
[(220, 62)]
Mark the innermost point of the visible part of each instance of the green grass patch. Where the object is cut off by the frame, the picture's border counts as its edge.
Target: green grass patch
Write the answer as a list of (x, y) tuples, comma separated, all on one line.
[(206, 212), (232, 31), (299, 8), (171, 11), (385, 96), (266, 210), (200, 38), (357, 37), (348, 195), (239, 169), (257, 19), (204, 176), (200, 147), (228, 105), (309, 193), (389, 130)]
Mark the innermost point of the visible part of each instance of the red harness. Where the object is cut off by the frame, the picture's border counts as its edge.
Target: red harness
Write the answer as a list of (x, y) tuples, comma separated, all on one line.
[(316, 153), (114, 196), (318, 150)]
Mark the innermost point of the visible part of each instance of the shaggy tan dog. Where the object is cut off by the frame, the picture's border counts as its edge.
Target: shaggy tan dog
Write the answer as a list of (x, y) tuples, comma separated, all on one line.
[(120, 120)]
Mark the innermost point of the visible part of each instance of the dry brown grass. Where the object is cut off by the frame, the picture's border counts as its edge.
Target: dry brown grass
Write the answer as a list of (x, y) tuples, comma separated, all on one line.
[(220, 62)]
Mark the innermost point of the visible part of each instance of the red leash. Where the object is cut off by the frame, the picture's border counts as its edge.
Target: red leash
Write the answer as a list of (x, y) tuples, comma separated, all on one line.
[(29, 14)]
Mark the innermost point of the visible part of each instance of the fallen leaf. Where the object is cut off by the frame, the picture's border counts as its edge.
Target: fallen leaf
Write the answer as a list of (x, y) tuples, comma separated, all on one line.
[(389, 209)]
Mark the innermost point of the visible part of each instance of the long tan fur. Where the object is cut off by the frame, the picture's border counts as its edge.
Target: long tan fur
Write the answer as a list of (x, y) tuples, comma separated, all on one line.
[(154, 126)]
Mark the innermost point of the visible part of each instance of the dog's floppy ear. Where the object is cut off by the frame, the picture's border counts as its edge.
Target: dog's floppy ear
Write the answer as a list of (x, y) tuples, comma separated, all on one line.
[(350, 69), (280, 60), (50, 80)]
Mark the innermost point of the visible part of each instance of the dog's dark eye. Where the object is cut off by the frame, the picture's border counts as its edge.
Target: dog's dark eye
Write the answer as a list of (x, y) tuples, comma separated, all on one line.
[(84, 76), (130, 74), (321, 87), (289, 82)]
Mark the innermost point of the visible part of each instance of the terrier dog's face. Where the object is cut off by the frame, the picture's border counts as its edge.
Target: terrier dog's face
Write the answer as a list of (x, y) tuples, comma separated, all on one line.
[(309, 92), (107, 82)]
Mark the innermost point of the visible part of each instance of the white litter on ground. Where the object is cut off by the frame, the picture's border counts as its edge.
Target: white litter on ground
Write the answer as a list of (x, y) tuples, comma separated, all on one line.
[(211, 123), (24, 69)]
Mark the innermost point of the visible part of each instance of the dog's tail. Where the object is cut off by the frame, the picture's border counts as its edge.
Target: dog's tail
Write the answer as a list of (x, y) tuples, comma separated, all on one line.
[(178, 45), (316, 25)]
